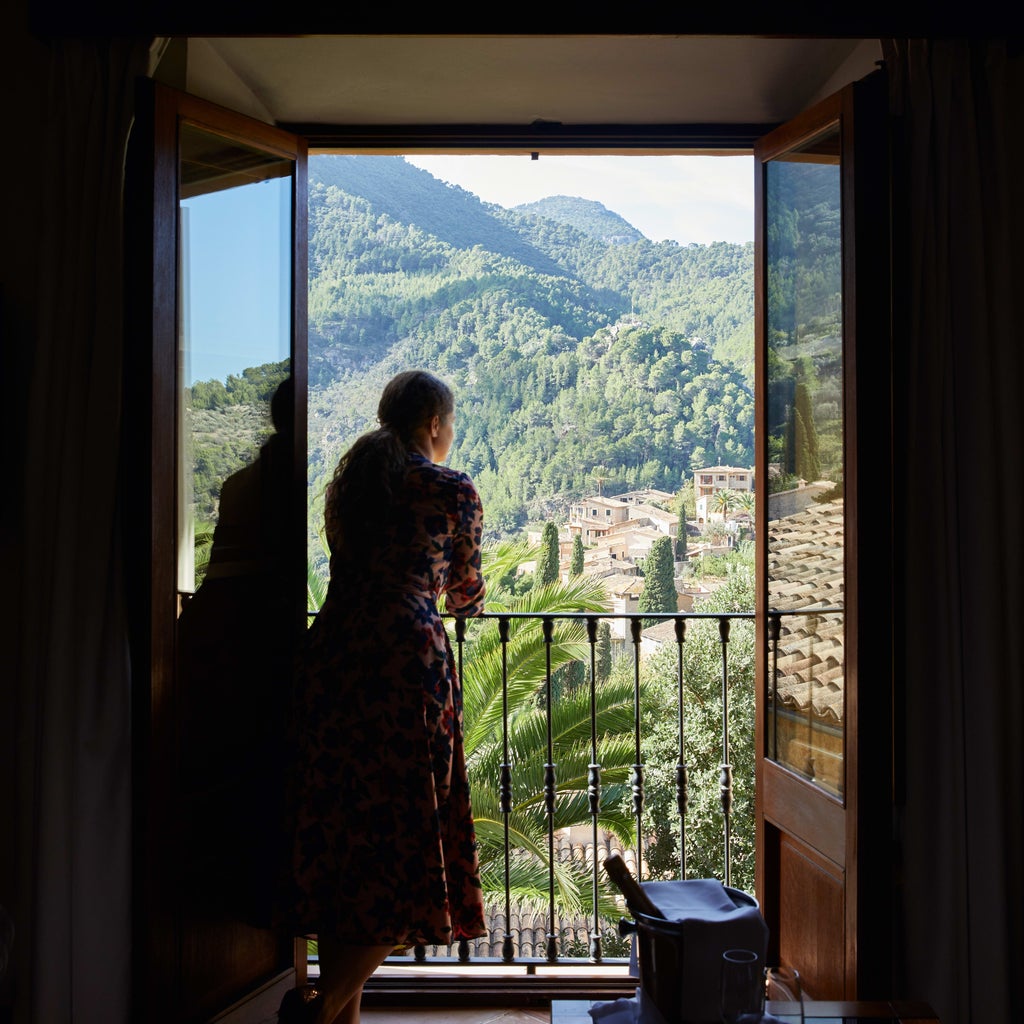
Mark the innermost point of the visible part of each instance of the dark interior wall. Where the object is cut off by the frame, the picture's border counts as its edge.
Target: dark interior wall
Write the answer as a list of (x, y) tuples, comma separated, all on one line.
[(23, 73)]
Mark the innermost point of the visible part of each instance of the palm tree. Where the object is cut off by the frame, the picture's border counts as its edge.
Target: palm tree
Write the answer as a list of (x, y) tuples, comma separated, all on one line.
[(723, 501), (746, 502), (488, 704)]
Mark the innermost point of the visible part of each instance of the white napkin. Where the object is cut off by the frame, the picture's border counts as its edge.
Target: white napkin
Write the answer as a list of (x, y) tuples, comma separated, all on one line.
[(678, 901)]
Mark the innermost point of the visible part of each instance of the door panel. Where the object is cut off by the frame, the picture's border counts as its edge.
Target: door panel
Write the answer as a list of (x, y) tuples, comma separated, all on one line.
[(224, 281), (823, 766), (811, 940)]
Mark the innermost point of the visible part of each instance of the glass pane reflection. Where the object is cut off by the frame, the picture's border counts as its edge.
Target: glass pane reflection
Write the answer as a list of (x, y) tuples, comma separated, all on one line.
[(804, 330), (235, 640), (235, 324)]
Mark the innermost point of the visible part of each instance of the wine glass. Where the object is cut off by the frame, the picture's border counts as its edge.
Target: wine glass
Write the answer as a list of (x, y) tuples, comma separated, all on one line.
[(742, 986), (783, 984)]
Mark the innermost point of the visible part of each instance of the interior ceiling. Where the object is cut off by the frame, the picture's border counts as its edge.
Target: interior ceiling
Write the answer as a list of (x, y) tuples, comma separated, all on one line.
[(519, 80)]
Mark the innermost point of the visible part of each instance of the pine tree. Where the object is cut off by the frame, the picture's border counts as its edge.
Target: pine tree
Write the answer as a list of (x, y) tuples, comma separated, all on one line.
[(547, 564), (659, 594), (576, 565)]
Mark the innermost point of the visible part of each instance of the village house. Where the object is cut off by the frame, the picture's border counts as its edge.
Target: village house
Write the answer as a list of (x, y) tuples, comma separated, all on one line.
[(598, 517), (631, 542), (617, 533), (647, 496), (624, 592), (593, 517), (708, 482)]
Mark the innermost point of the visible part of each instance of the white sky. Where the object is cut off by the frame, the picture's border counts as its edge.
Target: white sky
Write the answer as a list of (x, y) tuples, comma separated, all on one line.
[(684, 198)]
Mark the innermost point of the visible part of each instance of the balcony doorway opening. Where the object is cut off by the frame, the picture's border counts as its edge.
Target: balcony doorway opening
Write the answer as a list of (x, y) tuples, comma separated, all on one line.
[(595, 317), (582, 376)]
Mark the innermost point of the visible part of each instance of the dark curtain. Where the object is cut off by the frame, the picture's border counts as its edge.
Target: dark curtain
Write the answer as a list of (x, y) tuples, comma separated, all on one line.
[(959, 418), (71, 904)]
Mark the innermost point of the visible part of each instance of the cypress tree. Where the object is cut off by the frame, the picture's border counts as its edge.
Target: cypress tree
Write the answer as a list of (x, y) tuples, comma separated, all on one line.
[(547, 564), (685, 508), (604, 652), (576, 565), (659, 594), (569, 678), (808, 463)]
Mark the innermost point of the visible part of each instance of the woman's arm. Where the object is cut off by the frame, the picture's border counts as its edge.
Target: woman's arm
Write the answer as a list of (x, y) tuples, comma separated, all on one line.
[(464, 594)]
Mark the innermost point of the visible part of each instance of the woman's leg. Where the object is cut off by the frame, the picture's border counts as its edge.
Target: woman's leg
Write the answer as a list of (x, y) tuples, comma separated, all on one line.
[(343, 970)]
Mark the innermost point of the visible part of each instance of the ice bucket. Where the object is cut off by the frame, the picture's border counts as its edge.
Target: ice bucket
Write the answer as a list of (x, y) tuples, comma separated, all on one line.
[(680, 955)]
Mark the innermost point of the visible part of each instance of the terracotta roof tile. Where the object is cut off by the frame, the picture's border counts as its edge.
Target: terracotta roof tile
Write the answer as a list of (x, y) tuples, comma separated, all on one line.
[(805, 566)]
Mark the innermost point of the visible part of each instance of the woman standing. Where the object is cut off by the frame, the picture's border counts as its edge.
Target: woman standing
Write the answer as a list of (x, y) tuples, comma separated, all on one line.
[(384, 847)]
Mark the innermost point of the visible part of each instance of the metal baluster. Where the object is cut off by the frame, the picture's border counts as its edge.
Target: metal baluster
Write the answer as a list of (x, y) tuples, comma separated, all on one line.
[(637, 776), (505, 787), (549, 796), (460, 642), (813, 625), (774, 632), (594, 785), (682, 781), (725, 778)]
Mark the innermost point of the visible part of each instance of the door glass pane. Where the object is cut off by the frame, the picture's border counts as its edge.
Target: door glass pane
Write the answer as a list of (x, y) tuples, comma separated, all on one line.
[(806, 699), (234, 339)]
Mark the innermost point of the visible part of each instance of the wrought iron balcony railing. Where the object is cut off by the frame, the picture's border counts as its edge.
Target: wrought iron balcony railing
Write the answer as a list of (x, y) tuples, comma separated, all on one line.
[(577, 816)]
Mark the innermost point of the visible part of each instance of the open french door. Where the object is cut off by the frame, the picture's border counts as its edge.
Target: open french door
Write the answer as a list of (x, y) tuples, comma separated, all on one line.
[(824, 743), (216, 401)]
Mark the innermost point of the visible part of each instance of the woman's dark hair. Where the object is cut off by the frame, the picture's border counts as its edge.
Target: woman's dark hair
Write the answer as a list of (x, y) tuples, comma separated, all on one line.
[(369, 481)]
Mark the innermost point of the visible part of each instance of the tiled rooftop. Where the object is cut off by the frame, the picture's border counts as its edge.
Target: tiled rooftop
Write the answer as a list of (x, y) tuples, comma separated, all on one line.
[(805, 570)]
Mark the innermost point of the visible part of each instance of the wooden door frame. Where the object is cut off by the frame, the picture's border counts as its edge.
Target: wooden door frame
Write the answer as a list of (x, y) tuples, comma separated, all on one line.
[(150, 408), (151, 230), (852, 835)]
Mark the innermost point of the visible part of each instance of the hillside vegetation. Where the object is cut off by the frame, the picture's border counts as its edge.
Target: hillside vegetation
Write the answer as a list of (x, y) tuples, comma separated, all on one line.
[(578, 349)]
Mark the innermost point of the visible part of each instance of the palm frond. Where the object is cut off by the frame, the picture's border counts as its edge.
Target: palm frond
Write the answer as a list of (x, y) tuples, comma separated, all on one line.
[(316, 588), (530, 860), (530, 882), (500, 560), (529, 887), (524, 660)]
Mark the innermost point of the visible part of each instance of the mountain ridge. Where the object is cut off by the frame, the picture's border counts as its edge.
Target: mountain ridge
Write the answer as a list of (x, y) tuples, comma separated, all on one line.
[(587, 216), (568, 353)]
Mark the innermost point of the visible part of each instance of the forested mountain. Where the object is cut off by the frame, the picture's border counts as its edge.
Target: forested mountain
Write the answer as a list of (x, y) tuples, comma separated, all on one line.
[(577, 347), (585, 215)]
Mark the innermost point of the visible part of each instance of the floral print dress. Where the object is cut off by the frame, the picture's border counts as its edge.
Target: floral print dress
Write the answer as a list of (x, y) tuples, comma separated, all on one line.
[(384, 843)]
